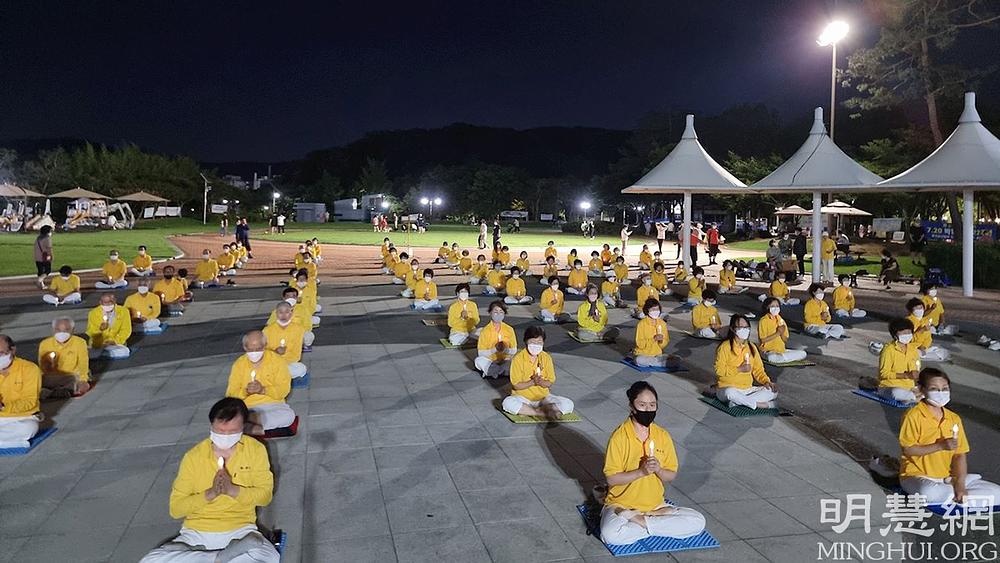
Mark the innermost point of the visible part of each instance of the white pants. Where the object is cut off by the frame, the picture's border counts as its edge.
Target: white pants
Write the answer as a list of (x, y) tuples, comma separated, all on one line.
[(574, 291), (71, 299), (829, 331), (746, 397), (547, 316), (707, 332), (693, 300), (111, 285), (722, 290), (855, 313), (617, 529), (458, 338), (489, 290), (666, 291), (386, 270), (15, 431), (425, 304), (297, 369), (511, 300), (514, 403), (947, 330), (319, 308), (140, 273), (229, 272), (308, 338), (315, 320), (491, 369), (398, 281), (610, 300), (651, 361), (408, 293), (244, 545), (786, 356), (274, 415), (938, 491), (595, 274), (935, 354), (826, 265), (897, 394), (150, 324), (543, 281), (789, 301), (116, 351), (473, 280)]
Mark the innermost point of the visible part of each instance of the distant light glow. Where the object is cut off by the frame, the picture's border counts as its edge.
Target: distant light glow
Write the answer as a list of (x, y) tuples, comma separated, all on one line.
[(834, 32), (437, 201), (424, 201), (385, 204), (277, 195), (585, 205)]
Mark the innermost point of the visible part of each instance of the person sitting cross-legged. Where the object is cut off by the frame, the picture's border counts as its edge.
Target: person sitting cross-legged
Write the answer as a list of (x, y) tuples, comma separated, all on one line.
[(651, 336), (727, 278), (496, 280), (517, 294), (284, 338), (308, 294), (576, 281), (705, 319), (922, 336), (899, 364), (170, 290), (425, 292), (779, 289), (497, 343), (219, 485), (595, 268), (659, 278), (401, 272), (532, 374), (262, 380), (933, 310), (142, 264), (64, 288), (592, 316), (20, 386), (645, 292), (64, 361), (300, 315), (696, 285), (645, 258), (738, 365), (550, 269), (816, 315), (773, 333), (226, 262), (207, 271), (463, 317), (480, 271), (552, 302), (113, 272), (144, 308), (109, 326), (639, 461), (843, 299), (182, 276)]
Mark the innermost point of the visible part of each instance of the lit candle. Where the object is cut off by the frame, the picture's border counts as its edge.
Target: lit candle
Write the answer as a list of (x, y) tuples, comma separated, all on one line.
[(954, 431), (253, 375), (282, 343), (652, 448), (221, 462), (105, 318)]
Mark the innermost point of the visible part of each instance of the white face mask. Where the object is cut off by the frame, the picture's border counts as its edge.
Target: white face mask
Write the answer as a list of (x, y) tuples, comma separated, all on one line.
[(647, 281), (579, 267), (932, 293), (65, 278), (710, 303), (225, 441), (819, 295), (939, 399), (62, 337), (6, 360), (300, 284), (284, 323), (919, 313), (781, 280), (497, 317), (107, 308), (114, 257), (206, 256), (743, 333), (699, 276), (516, 276), (463, 295), (555, 287), (143, 290), (904, 338), (654, 314), (534, 349), (428, 279), (255, 357), (142, 253), (775, 310), (291, 301)]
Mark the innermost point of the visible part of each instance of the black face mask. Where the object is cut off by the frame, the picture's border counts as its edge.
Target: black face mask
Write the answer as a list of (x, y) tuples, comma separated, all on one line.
[(644, 418), (168, 277)]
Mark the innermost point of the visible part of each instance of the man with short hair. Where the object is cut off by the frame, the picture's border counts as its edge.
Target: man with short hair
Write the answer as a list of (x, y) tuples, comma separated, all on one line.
[(109, 327), (227, 262), (284, 338), (170, 290), (142, 264), (20, 385), (64, 361), (799, 250), (114, 273), (207, 271), (219, 485), (64, 289), (262, 380), (144, 308)]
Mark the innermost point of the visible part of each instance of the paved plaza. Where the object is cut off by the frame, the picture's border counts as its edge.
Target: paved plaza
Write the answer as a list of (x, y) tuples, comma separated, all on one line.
[(403, 455)]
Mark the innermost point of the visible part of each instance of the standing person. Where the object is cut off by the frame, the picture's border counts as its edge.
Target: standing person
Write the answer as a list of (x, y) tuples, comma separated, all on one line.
[(238, 230), (395, 221), (647, 226), (43, 254), (482, 234), (624, 236), (383, 224), (661, 234), (696, 236), (246, 238), (799, 250), (281, 223), (918, 239), (713, 243), (828, 247), (374, 223), (517, 225), (222, 226), (496, 232), (674, 234)]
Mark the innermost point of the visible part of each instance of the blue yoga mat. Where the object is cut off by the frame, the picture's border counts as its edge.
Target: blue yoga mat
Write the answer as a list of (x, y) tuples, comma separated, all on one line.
[(653, 544), (34, 441), (282, 542), (876, 397), (132, 349), (437, 309), (631, 363), (163, 327), (300, 382)]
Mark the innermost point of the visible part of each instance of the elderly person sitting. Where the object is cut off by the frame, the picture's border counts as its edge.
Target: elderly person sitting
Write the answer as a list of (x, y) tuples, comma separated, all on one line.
[(109, 327), (64, 361), (261, 379)]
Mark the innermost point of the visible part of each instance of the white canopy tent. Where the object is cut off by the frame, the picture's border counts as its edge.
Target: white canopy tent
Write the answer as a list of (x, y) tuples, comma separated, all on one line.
[(841, 208), (968, 160), (818, 166), (688, 169), (792, 210)]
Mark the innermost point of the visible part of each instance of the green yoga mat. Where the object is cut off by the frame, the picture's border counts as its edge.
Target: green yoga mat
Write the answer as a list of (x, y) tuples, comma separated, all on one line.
[(795, 364), (447, 344), (738, 411), (575, 336), (523, 419)]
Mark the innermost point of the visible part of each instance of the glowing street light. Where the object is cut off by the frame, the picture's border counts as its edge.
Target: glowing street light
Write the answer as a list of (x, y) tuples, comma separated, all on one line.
[(424, 201), (274, 200), (385, 204), (430, 203), (834, 32), (225, 202)]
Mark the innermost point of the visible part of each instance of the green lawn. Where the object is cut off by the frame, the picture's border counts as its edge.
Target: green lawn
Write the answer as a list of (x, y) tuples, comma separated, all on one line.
[(870, 261)]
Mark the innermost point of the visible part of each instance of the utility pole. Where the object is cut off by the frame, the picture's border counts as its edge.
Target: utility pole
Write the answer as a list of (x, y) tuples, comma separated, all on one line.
[(204, 209)]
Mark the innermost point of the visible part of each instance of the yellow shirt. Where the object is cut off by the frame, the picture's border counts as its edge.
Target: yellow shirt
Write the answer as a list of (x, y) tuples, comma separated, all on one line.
[(242, 253), (170, 290), (522, 367), (571, 257), (625, 453), (226, 261), (114, 270), (62, 287), (443, 251), (843, 298), (813, 310), (142, 262), (248, 467), (504, 258), (385, 251), (206, 270), (680, 274), (644, 293), (621, 272), (606, 257), (425, 290), (311, 270), (921, 428), (645, 330), (933, 316), (609, 288), (317, 250), (70, 357), (778, 289), (587, 322), (577, 279), (271, 372), (119, 327), (400, 269), (452, 256), (465, 264), (390, 259), (300, 261), (767, 326), (289, 337), (551, 251), (147, 306), (300, 315), (496, 279), (550, 271), (20, 386), (704, 316), (515, 288), (480, 270), (455, 320), (731, 356), (645, 257), (595, 265), (695, 286), (659, 280), (827, 248), (922, 338), (409, 277), (546, 301), (489, 337), (894, 360), (308, 296), (524, 265), (727, 278)]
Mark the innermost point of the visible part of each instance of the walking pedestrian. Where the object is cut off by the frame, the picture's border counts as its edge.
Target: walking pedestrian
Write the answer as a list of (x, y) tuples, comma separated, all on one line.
[(713, 242), (661, 234), (281, 223), (43, 254), (482, 234), (624, 236), (496, 232), (799, 250)]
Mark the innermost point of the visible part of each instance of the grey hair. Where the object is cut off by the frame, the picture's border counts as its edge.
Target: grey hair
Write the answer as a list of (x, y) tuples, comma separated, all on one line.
[(57, 320), (243, 340), (283, 304)]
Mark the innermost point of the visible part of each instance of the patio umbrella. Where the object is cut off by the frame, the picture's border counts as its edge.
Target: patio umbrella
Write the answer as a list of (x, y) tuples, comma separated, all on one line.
[(77, 193), (841, 208), (10, 190), (143, 196), (792, 210)]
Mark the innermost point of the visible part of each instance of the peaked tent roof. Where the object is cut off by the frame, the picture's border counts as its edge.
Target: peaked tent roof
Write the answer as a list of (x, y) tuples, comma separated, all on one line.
[(143, 196), (77, 193), (968, 158), (10, 190), (841, 208), (792, 210), (819, 163), (688, 168)]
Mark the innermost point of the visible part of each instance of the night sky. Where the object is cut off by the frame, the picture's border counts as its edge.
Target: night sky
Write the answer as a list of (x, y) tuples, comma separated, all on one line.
[(269, 80)]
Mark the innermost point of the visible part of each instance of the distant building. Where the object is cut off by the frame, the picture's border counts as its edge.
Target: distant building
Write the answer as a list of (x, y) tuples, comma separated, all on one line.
[(236, 181), (353, 210)]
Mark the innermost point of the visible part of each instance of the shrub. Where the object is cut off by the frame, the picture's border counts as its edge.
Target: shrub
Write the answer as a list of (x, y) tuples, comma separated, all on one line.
[(602, 228), (948, 257)]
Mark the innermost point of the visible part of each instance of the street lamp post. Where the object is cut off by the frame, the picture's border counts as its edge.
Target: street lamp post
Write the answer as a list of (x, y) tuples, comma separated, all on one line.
[(584, 205), (834, 32), (204, 209), (274, 200), (430, 203)]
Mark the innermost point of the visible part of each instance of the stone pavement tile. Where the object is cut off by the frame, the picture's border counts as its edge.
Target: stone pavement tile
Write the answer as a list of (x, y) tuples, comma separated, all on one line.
[(535, 539), (479, 450), (92, 514), (756, 518), (772, 482), (24, 519), (131, 459), (787, 454), (342, 487), (427, 512), (331, 462), (140, 540), (540, 446), (334, 393), (557, 468), (415, 480), (476, 475), (43, 462), (788, 549), (81, 546), (372, 549), (155, 507), (453, 432), (808, 510), (11, 547), (736, 550), (320, 439), (114, 484), (407, 456), (832, 478), (455, 413), (388, 418), (335, 406), (381, 390), (21, 489), (715, 486), (143, 437), (503, 504), (441, 546), (413, 434), (326, 519)]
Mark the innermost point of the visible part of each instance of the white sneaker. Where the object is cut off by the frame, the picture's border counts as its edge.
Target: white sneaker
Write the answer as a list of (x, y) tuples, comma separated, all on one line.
[(875, 347), (983, 340), (995, 345)]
